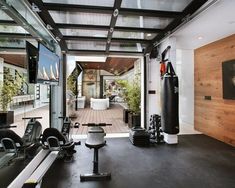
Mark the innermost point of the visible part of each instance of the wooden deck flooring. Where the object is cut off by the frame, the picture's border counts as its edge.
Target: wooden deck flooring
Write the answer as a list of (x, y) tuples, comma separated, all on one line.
[(113, 115)]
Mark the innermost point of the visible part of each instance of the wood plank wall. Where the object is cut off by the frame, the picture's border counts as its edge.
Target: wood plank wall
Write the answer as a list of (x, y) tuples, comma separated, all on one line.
[(215, 117)]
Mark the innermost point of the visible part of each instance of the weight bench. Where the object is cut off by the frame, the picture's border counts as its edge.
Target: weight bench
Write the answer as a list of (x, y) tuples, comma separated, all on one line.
[(95, 140)]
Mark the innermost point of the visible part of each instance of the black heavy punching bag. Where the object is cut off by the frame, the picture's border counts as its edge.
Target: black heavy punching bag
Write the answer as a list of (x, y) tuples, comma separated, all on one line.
[(170, 101)]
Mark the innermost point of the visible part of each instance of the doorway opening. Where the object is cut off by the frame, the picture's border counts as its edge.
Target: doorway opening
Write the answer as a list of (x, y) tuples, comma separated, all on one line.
[(104, 92)]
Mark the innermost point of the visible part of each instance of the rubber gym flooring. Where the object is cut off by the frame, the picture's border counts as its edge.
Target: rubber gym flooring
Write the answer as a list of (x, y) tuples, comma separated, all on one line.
[(197, 161)]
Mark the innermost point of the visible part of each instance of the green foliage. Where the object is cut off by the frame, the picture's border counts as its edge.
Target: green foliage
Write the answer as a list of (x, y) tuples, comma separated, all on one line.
[(8, 89), (134, 96), (131, 93), (71, 85), (72, 81), (123, 84)]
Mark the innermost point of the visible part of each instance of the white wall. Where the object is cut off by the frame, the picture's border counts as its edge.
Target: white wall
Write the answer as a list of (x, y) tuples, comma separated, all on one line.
[(185, 72), (183, 63), (153, 83), (153, 77)]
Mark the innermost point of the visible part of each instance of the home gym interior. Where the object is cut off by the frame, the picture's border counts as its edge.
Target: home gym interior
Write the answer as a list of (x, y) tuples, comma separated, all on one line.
[(117, 93)]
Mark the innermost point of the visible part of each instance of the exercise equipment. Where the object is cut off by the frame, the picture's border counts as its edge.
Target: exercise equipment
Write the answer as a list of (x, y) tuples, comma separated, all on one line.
[(95, 140), (163, 61), (55, 144), (154, 130), (139, 136), (66, 128), (170, 101), (16, 147)]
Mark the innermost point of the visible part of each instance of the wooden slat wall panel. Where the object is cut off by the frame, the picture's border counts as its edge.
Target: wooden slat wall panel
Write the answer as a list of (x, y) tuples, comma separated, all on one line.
[(15, 59), (113, 65), (215, 117)]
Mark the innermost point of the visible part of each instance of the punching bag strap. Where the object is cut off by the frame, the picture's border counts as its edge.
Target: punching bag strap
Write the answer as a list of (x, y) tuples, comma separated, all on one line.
[(170, 69)]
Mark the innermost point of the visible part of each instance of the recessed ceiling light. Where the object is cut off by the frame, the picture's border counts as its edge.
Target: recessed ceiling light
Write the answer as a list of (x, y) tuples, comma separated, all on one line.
[(200, 38), (91, 58), (149, 35)]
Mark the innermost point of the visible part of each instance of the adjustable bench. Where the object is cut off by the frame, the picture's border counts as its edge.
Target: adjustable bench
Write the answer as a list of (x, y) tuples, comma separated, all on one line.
[(95, 140)]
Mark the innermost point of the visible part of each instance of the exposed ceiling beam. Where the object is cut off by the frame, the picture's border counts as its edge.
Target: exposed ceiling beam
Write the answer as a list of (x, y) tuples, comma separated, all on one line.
[(189, 10), (106, 28), (48, 20), (15, 35), (12, 48), (104, 39), (8, 23), (102, 52), (116, 7), (109, 10)]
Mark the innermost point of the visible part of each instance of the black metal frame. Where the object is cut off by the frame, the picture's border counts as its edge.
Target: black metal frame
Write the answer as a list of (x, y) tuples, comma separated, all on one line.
[(116, 7), (189, 10), (178, 18), (109, 10), (106, 28), (48, 20)]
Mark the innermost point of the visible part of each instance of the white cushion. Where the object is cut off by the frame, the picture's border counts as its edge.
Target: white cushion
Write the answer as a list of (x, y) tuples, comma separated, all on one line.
[(99, 104)]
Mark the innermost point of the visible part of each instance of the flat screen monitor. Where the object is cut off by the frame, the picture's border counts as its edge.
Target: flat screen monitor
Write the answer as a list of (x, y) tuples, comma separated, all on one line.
[(228, 75), (32, 62), (48, 66)]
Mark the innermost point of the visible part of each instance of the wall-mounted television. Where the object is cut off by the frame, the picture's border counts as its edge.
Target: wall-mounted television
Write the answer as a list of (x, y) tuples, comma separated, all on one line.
[(48, 66), (32, 62), (228, 74)]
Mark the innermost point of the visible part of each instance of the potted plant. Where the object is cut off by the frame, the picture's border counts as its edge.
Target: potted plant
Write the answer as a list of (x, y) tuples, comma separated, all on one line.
[(123, 84), (133, 101), (8, 89)]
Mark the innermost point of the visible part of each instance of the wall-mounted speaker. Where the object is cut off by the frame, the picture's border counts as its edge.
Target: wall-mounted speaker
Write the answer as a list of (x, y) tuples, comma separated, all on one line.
[(32, 62), (154, 53)]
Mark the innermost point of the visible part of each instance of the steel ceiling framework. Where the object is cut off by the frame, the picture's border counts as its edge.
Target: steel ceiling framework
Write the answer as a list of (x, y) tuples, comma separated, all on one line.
[(45, 15)]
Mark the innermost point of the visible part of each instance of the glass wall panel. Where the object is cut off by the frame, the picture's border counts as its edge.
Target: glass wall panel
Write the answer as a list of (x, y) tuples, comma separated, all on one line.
[(166, 5), (86, 45), (26, 17), (12, 29), (15, 43), (107, 3), (81, 18), (133, 35), (143, 22), (4, 16), (116, 46), (84, 32), (28, 99), (19, 99)]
